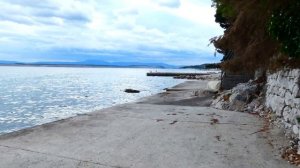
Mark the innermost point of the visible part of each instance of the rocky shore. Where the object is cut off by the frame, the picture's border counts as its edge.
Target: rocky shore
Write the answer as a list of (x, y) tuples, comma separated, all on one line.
[(211, 76)]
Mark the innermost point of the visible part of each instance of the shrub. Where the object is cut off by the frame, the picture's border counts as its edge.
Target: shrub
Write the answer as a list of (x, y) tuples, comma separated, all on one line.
[(284, 26), (256, 33)]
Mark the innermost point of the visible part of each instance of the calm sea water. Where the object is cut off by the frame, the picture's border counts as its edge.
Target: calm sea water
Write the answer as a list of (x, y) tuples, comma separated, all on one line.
[(32, 96)]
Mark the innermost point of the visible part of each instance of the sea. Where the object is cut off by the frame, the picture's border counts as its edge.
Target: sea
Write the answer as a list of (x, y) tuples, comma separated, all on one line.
[(31, 96)]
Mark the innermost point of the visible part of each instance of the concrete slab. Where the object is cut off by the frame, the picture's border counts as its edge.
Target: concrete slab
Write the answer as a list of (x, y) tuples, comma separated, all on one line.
[(189, 93), (12, 157)]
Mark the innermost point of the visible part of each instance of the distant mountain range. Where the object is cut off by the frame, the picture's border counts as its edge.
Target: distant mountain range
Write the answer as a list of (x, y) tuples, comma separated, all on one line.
[(91, 63)]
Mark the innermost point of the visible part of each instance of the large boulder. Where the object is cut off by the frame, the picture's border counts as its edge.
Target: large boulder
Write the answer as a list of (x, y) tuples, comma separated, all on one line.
[(237, 98), (214, 85)]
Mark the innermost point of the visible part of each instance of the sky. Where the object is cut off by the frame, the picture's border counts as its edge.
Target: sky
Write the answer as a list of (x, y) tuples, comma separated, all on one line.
[(168, 31)]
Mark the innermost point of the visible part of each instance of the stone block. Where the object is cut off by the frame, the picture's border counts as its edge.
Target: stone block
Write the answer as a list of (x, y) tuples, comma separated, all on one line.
[(287, 125), (280, 73), (267, 103), (277, 104), (289, 99), (295, 129), (287, 114), (282, 92), (297, 105), (296, 112), (296, 91), (290, 85), (275, 90)]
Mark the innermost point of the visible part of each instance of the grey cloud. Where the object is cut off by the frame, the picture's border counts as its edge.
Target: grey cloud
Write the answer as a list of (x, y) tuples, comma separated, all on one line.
[(169, 3), (75, 16), (38, 12), (17, 19), (67, 16), (33, 3), (14, 13), (119, 28)]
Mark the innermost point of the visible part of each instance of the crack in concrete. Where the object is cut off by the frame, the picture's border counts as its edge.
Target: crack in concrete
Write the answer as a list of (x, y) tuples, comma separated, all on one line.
[(60, 156), (198, 122)]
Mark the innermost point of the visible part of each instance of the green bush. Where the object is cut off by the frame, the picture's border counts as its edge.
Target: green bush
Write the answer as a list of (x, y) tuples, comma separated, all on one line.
[(284, 26), (224, 13)]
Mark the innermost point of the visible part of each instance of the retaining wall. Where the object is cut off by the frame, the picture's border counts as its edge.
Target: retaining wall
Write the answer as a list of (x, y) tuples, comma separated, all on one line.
[(283, 97)]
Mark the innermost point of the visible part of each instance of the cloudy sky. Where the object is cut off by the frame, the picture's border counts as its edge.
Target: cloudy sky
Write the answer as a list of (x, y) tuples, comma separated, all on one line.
[(169, 31)]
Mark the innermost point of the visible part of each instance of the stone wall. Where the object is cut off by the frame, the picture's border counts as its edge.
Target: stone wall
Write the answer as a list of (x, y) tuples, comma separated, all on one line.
[(283, 97)]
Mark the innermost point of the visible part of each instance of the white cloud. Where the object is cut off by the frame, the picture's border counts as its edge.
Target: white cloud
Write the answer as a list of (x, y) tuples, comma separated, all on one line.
[(159, 26)]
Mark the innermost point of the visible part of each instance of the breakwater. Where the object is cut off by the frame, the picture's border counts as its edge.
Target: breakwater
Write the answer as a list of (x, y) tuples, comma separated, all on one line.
[(174, 74)]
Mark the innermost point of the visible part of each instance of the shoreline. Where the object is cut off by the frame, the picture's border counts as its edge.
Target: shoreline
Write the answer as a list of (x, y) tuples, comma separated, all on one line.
[(139, 100), (165, 130), (54, 95), (171, 88), (78, 66)]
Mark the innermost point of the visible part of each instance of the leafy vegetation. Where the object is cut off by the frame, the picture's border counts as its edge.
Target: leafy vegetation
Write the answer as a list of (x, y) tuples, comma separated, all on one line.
[(224, 13), (284, 26), (256, 32)]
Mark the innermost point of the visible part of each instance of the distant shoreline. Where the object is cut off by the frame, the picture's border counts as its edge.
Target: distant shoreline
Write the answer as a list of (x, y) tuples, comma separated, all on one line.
[(79, 66)]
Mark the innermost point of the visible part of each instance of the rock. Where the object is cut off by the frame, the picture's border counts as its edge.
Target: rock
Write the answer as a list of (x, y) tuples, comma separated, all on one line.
[(286, 114), (298, 93), (214, 85), (237, 105), (245, 89), (296, 90), (242, 94), (131, 91), (295, 129), (237, 98), (255, 105), (222, 100)]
